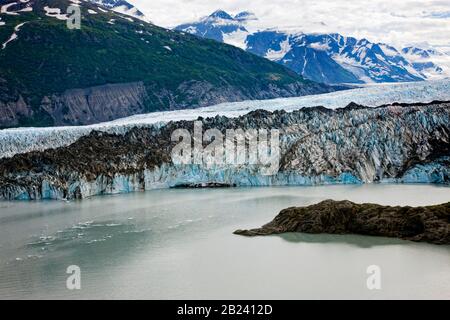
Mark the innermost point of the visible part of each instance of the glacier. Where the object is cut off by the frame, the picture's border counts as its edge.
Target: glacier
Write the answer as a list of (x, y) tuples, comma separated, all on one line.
[(21, 140), (407, 143)]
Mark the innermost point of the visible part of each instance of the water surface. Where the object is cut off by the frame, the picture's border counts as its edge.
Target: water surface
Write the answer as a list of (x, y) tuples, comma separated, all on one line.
[(178, 244)]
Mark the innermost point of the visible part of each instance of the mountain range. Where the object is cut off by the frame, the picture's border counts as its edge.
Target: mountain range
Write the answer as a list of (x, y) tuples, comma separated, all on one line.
[(328, 58), (117, 65)]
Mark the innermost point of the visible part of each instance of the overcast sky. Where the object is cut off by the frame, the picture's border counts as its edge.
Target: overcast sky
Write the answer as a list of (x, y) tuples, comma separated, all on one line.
[(396, 22)]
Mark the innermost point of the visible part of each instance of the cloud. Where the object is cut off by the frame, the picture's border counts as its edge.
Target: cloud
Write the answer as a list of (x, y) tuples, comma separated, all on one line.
[(395, 22), (439, 15)]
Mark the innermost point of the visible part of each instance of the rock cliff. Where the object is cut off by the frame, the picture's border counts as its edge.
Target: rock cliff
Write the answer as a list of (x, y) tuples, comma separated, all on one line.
[(427, 224)]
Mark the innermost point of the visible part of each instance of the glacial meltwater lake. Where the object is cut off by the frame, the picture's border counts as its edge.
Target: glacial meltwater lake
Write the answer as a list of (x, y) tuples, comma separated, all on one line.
[(179, 244)]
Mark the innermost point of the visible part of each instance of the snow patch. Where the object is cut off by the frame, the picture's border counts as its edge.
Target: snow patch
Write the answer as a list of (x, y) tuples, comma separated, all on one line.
[(13, 36), (237, 38), (278, 55), (319, 46), (55, 13), (26, 9), (191, 30), (4, 9), (128, 18)]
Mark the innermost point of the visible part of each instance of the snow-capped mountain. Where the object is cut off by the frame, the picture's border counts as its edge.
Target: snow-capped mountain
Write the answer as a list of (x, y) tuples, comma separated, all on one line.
[(333, 58), (328, 58), (430, 62), (221, 26), (123, 7)]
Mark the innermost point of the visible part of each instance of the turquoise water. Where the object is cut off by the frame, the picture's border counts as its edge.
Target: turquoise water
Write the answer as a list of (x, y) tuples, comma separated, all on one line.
[(178, 244)]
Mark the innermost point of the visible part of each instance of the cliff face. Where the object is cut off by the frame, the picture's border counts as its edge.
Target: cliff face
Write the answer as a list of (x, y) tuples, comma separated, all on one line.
[(396, 143), (195, 94), (96, 104), (13, 111), (113, 101), (427, 224)]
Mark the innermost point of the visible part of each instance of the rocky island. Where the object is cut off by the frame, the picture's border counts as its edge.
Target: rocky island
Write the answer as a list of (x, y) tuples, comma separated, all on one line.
[(427, 224)]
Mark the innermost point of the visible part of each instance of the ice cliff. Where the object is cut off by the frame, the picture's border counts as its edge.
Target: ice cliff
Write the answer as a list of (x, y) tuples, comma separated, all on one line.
[(394, 143)]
